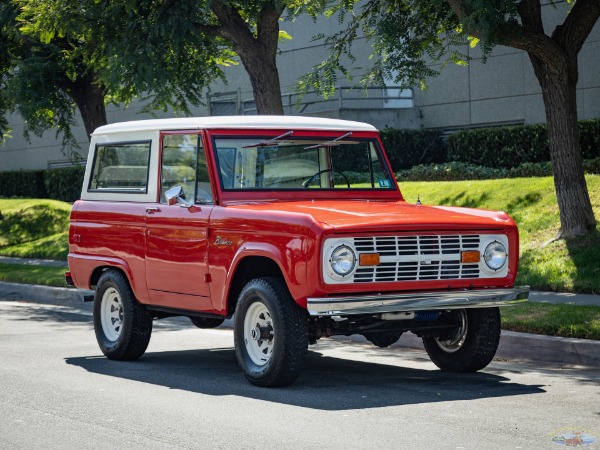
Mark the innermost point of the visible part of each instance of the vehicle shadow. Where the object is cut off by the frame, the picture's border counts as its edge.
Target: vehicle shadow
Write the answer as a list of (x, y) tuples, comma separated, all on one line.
[(327, 383)]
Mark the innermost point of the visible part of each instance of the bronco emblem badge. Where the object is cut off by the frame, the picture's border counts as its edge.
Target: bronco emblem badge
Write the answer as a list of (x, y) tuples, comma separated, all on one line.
[(219, 241)]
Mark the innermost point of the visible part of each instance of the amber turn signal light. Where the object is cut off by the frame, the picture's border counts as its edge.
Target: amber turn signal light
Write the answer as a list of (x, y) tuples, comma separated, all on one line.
[(369, 259), (470, 257)]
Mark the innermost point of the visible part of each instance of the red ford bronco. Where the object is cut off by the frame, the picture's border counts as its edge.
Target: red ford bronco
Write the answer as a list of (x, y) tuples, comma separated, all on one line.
[(296, 227)]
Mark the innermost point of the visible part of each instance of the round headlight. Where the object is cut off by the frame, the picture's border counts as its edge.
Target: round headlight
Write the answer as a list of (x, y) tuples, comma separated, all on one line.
[(343, 260), (495, 255)]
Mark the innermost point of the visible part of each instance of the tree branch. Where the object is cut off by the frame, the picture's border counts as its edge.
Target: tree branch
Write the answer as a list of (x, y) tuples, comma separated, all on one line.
[(208, 30), (577, 26), (531, 15), (233, 27)]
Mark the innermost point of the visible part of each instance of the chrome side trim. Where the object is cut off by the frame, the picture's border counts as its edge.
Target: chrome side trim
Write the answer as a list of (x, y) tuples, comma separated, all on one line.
[(375, 304)]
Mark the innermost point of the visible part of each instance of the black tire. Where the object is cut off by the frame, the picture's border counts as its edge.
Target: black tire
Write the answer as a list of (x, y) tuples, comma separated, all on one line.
[(270, 333), (383, 339), (206, 322), (480, 337), (123, 326)]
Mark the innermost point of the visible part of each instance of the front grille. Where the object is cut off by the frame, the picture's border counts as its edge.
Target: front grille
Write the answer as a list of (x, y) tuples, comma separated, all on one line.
[(417, 258)]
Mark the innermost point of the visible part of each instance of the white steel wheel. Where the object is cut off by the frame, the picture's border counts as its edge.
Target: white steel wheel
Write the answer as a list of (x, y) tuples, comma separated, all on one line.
[(259, 333), (270, 333), (456, 341), (111, 314)]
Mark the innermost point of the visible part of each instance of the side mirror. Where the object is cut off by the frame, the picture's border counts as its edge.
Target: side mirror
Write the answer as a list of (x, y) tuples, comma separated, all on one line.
[(175, 195)]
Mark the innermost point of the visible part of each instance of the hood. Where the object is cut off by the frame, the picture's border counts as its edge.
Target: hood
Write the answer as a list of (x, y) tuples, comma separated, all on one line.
[(363, 216)]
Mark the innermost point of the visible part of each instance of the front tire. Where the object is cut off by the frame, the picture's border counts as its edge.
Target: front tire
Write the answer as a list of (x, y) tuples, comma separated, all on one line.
[(270, 333), (470, 346), (123, 326)]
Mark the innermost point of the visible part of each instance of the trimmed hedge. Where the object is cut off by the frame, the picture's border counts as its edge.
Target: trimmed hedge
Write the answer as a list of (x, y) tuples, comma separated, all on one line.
[(510, 147), (457, 171), (408, 148), (64, 184), (57, 184), (23, 183)]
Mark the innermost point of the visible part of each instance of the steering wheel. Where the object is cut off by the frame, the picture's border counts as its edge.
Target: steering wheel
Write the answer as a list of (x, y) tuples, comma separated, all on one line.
[(307, 182)]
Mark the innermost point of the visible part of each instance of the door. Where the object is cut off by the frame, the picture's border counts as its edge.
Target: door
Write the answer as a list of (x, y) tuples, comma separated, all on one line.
[(177, 236)]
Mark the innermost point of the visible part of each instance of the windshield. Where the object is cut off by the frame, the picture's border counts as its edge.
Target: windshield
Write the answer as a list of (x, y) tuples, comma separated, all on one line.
[(249, 163)]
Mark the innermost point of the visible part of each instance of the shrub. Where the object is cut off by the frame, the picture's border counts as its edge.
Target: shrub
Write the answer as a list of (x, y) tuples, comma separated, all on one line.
[(408, 148), (64, 184), (510, 147), (23, 183), (456, 171), (589, 135), (57, 184), (504, 147), (592, 166)]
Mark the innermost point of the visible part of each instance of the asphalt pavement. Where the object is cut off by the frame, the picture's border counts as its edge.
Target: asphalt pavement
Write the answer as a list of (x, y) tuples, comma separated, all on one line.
[(565, 352)]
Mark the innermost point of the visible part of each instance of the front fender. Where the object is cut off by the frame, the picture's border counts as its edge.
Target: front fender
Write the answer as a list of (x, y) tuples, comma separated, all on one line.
[(288, 258)]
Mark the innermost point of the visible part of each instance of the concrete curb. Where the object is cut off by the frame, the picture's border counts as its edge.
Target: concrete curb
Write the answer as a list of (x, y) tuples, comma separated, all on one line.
[(42, 294), (518, 346), (535, 347)]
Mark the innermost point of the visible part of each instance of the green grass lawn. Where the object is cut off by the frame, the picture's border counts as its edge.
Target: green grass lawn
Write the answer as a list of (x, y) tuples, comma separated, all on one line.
[(43, 275), (574, 321), (33, 228), (564, 266)]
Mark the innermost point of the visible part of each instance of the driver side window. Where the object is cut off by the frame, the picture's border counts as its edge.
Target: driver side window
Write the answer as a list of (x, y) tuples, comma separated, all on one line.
[(184, 164)]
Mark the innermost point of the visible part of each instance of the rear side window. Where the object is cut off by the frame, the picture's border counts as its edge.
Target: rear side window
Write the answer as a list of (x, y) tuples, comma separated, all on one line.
[(121, 167)]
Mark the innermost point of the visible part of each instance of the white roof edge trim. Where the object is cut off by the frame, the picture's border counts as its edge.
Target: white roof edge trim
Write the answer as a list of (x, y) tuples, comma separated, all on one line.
[(248, 122)]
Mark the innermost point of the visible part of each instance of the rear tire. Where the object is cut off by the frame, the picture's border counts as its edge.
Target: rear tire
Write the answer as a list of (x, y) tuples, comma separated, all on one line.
[(270, 333), (471, 346), (123, 326)]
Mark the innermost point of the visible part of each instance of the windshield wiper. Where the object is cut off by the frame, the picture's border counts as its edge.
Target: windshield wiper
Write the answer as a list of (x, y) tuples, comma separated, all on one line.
[(270, 142), (330, 143)]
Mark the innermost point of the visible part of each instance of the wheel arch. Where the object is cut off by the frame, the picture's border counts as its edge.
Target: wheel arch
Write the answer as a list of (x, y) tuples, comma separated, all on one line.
[(248, 268), (99, 270)]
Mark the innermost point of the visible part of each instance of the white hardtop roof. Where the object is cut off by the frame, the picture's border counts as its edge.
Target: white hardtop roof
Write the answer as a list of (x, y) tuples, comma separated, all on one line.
[(248, 122)]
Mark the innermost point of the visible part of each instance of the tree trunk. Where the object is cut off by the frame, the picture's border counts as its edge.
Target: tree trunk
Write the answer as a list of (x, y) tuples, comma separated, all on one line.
[(560, 102), (264, 76), (89, 98), (257, 52)]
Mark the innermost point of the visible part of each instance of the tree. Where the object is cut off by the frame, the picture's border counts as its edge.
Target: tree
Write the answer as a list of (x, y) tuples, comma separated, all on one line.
[(408, 34), (251, 29), (69, 55)]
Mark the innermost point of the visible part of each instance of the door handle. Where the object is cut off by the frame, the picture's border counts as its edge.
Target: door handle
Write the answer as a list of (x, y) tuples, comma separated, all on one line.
[(152, 209)]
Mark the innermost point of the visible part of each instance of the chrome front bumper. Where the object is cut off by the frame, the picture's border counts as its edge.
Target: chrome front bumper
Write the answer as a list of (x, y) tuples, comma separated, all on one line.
[(375, 304)]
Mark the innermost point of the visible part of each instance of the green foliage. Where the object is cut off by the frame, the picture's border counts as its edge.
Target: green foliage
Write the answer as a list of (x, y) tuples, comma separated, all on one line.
[(452, 171), (58, 184), (406, 36), (64, 184), (23, 183), (63, 51), (407, 148), (512, 146), (457, 171)]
